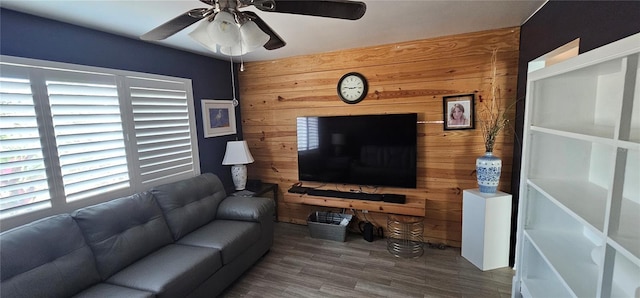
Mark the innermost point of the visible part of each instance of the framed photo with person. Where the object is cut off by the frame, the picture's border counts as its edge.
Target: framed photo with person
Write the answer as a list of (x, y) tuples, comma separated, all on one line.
[(218, 117), (459, 112)]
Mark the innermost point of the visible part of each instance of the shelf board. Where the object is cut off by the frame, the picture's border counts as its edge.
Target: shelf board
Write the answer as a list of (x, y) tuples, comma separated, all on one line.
[(592, 133), (413, 209), (585, 201), (631, 145), (569, 254)]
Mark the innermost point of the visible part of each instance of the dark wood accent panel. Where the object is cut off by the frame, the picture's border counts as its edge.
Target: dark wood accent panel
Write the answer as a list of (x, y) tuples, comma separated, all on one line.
[(409, 77)]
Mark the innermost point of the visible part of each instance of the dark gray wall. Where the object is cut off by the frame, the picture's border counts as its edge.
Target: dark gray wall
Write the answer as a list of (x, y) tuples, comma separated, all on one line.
[(596, 23)]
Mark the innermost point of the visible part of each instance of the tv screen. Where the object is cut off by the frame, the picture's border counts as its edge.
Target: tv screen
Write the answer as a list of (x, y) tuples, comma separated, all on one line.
[(375, 150)]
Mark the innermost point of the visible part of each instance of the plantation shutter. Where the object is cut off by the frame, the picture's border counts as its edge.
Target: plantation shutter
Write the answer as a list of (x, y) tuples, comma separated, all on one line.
[(81, 134), (23, 181), (89, 134), (162, 128)]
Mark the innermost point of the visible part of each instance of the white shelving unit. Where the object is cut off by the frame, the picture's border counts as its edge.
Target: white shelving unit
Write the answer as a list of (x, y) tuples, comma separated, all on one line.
[(579, 210)]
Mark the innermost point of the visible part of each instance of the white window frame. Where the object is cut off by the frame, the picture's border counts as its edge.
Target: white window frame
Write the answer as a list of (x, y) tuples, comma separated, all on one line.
[(123, 80)]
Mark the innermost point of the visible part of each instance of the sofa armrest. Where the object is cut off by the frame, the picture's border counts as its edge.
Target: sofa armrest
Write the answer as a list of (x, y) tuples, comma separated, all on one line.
[(246, 208)]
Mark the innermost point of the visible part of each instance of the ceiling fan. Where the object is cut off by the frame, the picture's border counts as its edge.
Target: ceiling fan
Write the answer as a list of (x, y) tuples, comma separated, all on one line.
[(225, 10)]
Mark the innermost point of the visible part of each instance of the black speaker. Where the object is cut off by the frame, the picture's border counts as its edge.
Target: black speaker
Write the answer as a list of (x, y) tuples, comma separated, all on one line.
[(394, 198)]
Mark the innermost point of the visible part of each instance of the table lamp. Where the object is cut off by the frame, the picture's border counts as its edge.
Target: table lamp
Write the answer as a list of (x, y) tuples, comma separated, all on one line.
[(238, 156)]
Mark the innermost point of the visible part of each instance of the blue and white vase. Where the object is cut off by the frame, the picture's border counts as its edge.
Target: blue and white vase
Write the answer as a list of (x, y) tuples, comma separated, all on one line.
[(488, 169)]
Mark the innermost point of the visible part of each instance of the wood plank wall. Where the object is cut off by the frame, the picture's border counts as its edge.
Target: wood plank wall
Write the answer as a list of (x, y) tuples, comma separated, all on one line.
[(405, 77)]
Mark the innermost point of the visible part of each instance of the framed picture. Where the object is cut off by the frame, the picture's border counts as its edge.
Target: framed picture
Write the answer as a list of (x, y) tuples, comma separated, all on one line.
[(218, 118), (459, 112)]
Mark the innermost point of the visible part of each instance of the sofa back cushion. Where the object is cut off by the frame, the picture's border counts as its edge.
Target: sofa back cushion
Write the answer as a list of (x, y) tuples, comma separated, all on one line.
[(123, 231), (191, 203), (46, 258)]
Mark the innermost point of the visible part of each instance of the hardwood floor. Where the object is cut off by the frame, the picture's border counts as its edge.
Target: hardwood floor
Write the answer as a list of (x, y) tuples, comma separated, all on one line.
[(301, 266)]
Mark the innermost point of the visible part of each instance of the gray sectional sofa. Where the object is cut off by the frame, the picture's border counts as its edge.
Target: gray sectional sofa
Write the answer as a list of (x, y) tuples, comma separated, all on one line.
[(184, 239)]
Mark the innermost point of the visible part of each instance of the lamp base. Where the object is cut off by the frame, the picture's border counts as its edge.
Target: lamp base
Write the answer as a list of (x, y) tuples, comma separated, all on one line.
[(239, 176)]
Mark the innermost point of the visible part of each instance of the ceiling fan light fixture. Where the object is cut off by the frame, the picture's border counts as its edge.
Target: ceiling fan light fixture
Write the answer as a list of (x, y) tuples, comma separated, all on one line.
[(252, 36)]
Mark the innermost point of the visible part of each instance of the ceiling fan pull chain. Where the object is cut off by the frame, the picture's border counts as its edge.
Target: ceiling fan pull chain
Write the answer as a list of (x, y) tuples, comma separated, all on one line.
[(233, 83)]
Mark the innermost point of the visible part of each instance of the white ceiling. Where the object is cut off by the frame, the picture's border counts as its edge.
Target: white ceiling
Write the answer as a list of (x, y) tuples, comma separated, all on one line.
[(385, 21)]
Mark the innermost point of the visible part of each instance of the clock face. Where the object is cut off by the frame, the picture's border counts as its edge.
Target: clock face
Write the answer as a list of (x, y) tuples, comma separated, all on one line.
[(352, 87)]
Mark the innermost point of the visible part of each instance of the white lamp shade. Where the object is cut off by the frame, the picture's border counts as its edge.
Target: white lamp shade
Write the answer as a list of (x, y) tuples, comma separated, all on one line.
[(201, 35), (237, 153), (252, 36), (224, 30)]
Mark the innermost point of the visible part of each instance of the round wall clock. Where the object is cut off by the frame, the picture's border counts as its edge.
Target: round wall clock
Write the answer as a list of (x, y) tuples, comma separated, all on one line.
[(352, 87)]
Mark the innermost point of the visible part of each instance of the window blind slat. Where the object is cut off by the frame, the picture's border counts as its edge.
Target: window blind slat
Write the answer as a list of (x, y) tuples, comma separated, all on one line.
[(27, 202), (150, 119), (17, 110), (106, 188), (151, 176), (8, 145), (154, 164), (140, 125), (155, 152), (84, 100), (18, 122), (28, 176), (15, 164), (113, 171), (90, 147), (90, 138), (143, 149), (20, 133), (95, 119), (182, 131)]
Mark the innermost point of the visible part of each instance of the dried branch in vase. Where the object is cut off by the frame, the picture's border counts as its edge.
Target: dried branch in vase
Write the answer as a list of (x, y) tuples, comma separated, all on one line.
[(493, 116)]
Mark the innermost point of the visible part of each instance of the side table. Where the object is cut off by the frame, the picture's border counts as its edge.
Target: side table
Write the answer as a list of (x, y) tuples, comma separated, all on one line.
[(260, 191)]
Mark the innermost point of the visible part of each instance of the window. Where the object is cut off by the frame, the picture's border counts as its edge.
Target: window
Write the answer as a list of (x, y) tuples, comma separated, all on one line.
[(70, 133)]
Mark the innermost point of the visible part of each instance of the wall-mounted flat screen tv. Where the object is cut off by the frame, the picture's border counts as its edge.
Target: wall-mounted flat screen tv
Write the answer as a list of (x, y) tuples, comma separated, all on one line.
[(372, 150)]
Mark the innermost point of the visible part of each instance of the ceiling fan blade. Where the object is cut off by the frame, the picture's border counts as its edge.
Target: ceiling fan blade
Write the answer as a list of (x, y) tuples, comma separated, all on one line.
[(275, 41), (176, 24), (340, 9)]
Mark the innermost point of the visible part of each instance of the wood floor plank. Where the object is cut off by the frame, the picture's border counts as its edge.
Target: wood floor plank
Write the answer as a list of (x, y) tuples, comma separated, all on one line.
[(301, 266)]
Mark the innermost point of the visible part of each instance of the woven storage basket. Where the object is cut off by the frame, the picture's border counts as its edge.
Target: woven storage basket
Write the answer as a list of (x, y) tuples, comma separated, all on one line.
[(326, 225)]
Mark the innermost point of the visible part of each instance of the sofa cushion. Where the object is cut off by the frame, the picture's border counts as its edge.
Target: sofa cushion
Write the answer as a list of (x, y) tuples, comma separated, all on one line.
[(231, 237), (103, 290), (191, 203), (123, 231), (46, 258), (172, 271)]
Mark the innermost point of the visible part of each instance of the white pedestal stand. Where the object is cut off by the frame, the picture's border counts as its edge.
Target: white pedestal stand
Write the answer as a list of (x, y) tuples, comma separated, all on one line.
[(486, 228)]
